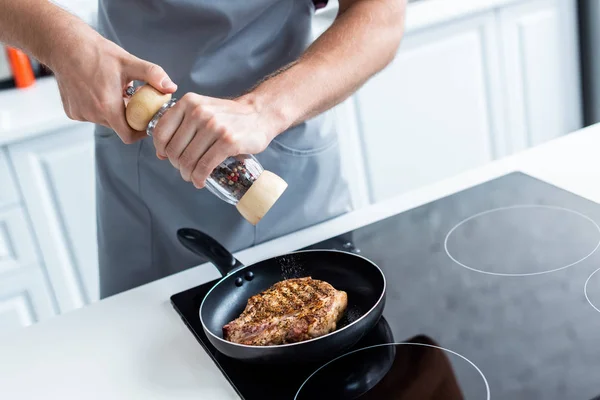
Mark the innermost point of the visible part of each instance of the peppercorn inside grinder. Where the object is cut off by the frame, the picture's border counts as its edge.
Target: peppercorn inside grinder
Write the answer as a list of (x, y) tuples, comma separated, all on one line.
[(239, 180)]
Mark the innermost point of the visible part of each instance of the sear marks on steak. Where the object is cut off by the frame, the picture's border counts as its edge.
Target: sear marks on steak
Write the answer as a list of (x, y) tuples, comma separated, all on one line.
[(290, 311)]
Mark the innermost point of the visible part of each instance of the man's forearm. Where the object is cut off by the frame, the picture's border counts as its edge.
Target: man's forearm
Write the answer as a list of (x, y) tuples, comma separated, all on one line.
[(361, 41), (38, 26)]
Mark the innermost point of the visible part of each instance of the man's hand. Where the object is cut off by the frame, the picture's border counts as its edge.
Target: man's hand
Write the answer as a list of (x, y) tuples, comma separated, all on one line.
[(200, 132), (93, 83), (92, 72)]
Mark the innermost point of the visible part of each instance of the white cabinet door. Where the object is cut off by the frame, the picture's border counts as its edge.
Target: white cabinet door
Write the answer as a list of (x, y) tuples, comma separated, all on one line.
[(539, 53), (435, 111), (56, 175), (17, 246), (8, 188), (353, 165), (24, 298)]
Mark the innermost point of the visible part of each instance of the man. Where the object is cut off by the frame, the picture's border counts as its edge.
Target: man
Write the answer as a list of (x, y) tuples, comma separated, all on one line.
[(250, 81)]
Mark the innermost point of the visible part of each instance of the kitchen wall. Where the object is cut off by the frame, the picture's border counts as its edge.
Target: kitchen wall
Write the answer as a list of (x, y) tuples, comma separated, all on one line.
[(473, 81)]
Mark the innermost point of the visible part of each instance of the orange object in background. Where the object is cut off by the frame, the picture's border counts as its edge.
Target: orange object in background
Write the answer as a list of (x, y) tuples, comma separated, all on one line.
[(21, 67)]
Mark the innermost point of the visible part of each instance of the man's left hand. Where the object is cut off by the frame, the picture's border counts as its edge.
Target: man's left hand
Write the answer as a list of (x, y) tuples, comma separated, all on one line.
[(200, 132)]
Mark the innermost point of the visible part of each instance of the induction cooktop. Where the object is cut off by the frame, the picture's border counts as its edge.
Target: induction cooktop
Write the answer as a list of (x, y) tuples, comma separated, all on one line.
[(492, 293)]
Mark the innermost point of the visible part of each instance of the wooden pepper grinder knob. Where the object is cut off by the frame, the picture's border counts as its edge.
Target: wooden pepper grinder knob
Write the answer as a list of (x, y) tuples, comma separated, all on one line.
[(239, 180), (143, 106)]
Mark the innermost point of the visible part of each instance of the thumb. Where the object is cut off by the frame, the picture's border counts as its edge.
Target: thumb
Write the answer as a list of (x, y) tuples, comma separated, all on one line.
[(153, 74)]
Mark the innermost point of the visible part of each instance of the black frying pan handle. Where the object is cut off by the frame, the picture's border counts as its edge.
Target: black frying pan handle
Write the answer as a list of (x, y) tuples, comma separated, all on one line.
[(203, 245)]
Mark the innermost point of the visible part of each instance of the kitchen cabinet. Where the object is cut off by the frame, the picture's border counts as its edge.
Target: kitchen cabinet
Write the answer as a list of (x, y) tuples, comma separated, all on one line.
[(17, 246), (432, 113), (465, 92), (351, 154), (25, 296), (539, 55), (9, 194), (56, 177)]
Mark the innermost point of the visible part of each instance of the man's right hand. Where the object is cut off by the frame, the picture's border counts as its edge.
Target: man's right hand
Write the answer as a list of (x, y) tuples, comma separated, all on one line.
[(92, 72), (93, 76)]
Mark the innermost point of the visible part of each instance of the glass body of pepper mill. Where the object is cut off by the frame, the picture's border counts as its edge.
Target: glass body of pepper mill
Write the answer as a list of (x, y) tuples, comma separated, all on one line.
[(239, 180)]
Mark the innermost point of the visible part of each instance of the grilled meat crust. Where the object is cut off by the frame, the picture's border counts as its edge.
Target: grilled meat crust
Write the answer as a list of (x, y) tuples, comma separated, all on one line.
[(290, 311)]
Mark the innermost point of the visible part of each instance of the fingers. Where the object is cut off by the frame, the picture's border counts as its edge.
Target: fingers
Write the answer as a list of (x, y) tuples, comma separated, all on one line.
[(198, 146), (182, 135), (128, 91), (180, 140), (215, 155), (96, 92), (166, 128), (127, 135), (153, 74), (117, 121)]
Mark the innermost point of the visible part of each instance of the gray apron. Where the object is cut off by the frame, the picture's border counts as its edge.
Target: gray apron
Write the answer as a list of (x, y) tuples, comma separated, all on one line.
[(217, 48)]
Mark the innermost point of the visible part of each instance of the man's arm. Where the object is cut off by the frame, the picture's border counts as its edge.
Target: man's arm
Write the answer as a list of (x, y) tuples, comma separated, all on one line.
[(91, 72), (200, 132), (362, 40), (37, 26)]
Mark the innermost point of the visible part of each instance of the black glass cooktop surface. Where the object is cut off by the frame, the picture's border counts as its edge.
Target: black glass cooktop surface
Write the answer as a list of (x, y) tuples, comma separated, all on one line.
[(491, 293)]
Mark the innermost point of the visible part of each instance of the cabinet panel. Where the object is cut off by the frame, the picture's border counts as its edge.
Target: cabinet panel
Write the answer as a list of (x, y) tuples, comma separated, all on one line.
[(56, 174), (17, 247), (8, 188), (539, 53), (16, 311), (432, 113), (353, 166), (24, 298)]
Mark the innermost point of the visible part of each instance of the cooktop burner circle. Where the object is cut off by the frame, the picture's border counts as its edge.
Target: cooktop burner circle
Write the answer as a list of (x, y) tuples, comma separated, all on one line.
[(411, 370), (595, 279), (522, 240)]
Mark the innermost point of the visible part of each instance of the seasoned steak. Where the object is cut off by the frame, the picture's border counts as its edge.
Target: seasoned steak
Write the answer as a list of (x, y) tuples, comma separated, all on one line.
[(290, 311)]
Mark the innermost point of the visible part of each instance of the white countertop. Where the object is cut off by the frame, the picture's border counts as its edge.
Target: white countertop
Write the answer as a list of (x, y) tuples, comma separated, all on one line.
[(134, 346), (33, 111)]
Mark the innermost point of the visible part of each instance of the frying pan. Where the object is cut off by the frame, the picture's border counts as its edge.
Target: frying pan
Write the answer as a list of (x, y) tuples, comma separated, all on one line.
[(360, 278)]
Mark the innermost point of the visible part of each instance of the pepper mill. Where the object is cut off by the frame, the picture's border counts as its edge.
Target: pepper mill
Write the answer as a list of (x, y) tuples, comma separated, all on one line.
[(239, 180)]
